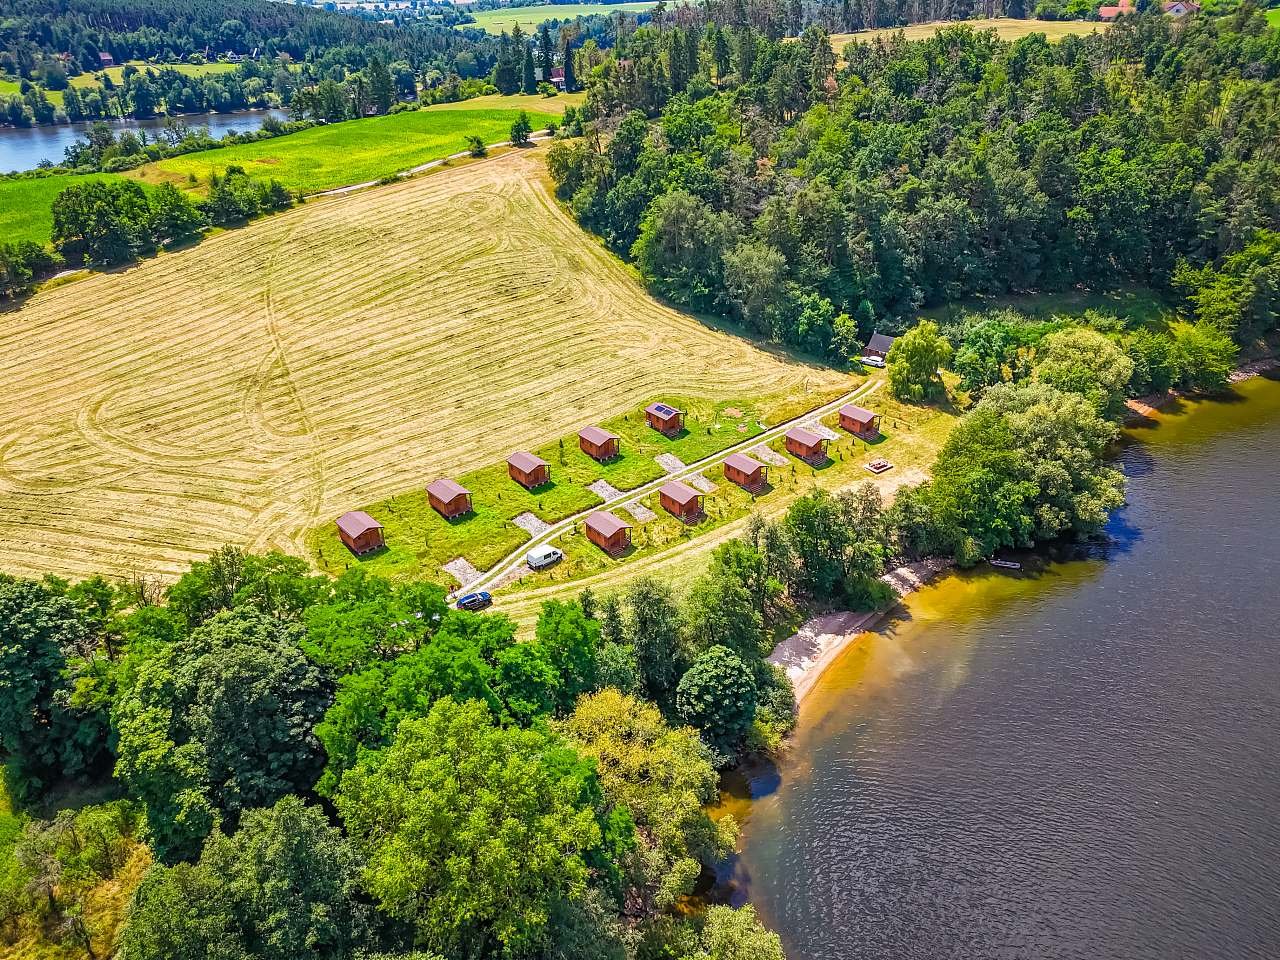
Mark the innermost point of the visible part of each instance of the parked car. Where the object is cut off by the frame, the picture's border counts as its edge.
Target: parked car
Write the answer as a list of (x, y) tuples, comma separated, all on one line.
[(873, 361), (543, 556), (475, 601)]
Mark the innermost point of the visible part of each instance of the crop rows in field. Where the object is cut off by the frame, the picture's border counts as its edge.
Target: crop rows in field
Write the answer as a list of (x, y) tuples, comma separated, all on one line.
[(258, 385), (1008, 28)]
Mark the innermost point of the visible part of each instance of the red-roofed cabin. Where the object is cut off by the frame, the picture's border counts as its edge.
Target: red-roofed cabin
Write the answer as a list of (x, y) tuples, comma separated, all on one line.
[(527, 470), (598, 443), (608, 532), (360, 532), (746, 472), (1111, 12), (680, 500), (859, 421), (807, 445), (664, 418), (449, 499)]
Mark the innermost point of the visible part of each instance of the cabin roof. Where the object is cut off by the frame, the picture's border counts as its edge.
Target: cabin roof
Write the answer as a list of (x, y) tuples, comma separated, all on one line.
[(662, 410), (740, 461), (525, 462), (606, 524), (446, 490), (680, 492), (856, 413), (356, 522), (881, 342), (805, 436), (597, 435)]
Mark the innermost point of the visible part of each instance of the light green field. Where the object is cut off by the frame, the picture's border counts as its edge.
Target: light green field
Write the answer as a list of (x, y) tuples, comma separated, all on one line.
[(496, 21), (1273, 16), (8, 87), (535, 103), (26, 205), (1008, 29), (357, 151), (186, 69)]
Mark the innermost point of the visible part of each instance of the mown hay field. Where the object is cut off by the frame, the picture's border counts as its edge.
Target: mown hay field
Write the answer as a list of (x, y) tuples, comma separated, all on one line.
[(26, 204), (256, 386), (505, 18), (357, 151), (1008, 28)]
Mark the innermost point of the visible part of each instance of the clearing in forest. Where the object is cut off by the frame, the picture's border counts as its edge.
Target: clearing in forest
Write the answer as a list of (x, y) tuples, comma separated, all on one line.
[(505, 18), (256, 386), (1008, 28)]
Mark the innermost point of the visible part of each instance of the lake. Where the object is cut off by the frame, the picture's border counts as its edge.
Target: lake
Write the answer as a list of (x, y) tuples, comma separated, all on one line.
[(24, 149), (1075, 762)]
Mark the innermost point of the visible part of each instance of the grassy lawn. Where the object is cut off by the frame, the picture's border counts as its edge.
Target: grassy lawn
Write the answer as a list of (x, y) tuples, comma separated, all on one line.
[(420, 541), (1008, 29), (83, 80), (533, 103), (26, 205), (1273, 17), (1140, 304), (356, 151), (496, 21)]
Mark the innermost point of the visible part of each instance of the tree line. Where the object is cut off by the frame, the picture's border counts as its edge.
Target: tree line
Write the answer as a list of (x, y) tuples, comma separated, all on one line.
[(815, 203)]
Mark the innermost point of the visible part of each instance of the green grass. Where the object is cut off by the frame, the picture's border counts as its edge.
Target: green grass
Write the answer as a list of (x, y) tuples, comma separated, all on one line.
[(420, 541), (356, 151), (1273, 17), (496, 21), (1141, 305), (26, 205), (83, 80)]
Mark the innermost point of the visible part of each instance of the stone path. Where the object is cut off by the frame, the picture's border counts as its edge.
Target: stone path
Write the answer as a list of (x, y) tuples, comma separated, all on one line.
[(822, 430), (639, 512), (700, 483), (765, 454), (530, 524), (462, 571), (670, 462), (604, 490)]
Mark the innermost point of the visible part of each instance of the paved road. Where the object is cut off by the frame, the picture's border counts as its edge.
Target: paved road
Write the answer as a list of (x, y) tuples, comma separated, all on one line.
[(504, 567)]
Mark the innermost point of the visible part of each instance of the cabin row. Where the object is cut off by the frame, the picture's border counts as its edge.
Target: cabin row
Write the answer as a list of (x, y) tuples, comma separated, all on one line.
[(362, 534)]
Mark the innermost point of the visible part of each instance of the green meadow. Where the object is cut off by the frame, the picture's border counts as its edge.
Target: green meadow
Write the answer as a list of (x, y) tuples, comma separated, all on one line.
[(26, 205), (356, 151), (496, 21)]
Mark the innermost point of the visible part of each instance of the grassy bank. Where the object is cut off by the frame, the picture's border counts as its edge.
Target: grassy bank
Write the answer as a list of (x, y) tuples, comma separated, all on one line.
[(26, 204), (356, 151)]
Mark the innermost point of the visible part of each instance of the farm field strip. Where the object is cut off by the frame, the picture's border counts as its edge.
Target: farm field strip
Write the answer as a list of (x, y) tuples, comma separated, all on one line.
[(504, 18), (1008, 28), (258, 385), (513, 560)]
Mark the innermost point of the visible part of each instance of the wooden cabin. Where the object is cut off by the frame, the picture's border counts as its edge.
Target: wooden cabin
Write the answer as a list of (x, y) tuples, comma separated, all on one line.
[(878, 346), (664, 418), (360, 532), (680, 500), (746, 472), (448, 498), (807, 445), (527, 470), (608, 532), (859, 421), (598, 443)]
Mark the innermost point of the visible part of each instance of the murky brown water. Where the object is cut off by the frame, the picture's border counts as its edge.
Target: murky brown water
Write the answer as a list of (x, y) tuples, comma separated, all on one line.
[(1076, 763)]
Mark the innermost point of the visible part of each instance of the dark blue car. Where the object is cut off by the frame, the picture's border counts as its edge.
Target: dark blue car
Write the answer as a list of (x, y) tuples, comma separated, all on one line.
[(475, 601)]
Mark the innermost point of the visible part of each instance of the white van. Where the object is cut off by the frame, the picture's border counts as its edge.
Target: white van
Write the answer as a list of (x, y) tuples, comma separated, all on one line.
[(543, 556)]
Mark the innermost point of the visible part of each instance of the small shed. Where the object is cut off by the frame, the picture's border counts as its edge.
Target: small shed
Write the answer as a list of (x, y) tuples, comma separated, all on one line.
[(680, 500), (599, 443), (807, 445), (106, 60), (878, 345), (608, 532), (859, 421), (527, 470), (746, 472), (664, 418), (448, 498), (360, 532)]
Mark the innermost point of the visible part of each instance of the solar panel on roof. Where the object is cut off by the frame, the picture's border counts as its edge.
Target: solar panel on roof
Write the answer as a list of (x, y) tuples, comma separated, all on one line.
[(663, 409)]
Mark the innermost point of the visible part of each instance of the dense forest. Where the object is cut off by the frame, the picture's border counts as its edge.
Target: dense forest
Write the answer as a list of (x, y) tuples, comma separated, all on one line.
[(816, 201)]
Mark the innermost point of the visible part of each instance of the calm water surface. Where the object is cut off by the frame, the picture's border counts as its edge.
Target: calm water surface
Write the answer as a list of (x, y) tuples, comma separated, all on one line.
[(1080, 763), (24, 149)]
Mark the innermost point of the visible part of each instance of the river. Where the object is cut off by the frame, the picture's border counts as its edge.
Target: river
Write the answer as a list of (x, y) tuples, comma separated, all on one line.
[(25, 148), (1077, 762)]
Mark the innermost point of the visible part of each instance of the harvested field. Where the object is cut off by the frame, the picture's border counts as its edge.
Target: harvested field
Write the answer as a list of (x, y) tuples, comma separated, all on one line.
[(256, 386), (1008, 28)]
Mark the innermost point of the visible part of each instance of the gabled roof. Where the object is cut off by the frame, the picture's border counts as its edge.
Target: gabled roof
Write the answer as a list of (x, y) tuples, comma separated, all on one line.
[(881, 342), (356, 522), (857, 414), (525, 462), (606, 523), (680, 492), (805, 436), (446, 490), (740, 461), (597, 435), (663, 410)]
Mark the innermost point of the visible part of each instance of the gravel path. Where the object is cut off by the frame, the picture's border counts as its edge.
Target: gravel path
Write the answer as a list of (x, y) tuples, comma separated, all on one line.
[(639, 512), (766, 454), (670, 462), (604, 490), (699, 482), (530, 524), (462, 571)]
